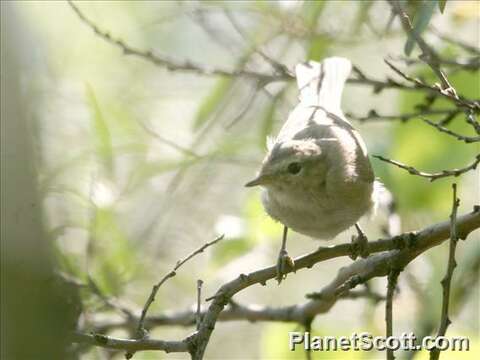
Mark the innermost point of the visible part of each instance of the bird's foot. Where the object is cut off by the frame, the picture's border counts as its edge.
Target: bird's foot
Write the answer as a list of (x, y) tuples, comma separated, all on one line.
[(359, 244), (284, 263)]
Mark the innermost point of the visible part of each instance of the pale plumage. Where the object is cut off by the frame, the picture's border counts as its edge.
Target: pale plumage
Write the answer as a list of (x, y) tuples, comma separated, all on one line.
[(317, 177)]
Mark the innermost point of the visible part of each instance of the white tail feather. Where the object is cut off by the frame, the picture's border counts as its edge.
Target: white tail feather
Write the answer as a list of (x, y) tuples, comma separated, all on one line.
[(321, 84)]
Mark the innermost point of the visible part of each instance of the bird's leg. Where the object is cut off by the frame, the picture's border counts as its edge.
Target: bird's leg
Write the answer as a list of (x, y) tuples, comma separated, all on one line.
[(284, 260), (359, 244)]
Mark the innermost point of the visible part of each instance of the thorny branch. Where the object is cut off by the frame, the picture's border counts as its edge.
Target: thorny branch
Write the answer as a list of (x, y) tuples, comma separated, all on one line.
[(432, 176), (447, 280)]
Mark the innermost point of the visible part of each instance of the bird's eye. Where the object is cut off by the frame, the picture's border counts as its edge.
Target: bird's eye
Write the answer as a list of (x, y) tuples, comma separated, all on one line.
[(294, 168)]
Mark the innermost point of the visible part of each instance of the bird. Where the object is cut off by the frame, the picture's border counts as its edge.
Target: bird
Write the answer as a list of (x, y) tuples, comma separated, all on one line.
[(317, 178)]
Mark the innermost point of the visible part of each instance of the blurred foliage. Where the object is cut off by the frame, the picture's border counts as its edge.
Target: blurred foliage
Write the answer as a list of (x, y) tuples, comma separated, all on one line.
[(101, 133), (416, 144), (218, 93), (139, 198), (421, 20), (114, 262)]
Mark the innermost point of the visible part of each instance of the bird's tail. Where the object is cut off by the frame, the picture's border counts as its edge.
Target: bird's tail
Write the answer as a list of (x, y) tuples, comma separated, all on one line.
[(321, 84)]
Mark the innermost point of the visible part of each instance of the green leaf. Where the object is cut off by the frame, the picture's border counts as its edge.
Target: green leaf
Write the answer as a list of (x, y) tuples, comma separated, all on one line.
[(102, 138), (420, 22), (441, 5), (212, 101)]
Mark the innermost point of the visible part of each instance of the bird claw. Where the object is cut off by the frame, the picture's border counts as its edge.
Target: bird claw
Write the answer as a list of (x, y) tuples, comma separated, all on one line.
[(284, 263), (359, 245)]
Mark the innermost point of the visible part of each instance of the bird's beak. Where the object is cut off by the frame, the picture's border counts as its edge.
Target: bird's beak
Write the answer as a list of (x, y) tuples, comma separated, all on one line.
[(259, 180)]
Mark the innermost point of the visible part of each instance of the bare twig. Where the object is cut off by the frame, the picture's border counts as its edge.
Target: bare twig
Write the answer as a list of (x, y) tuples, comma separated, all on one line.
[(429, 56), (156, 287), (455, 41), (198, 314), (359, 77), (474, 123), (391, 285), (467, 64), (446, 93), (283, 75), (408, 245), (168, 142), (247, 106), (170, 63), (466, 139), (131, 345), (109, 301), (377, 265), (373, 115), (279, 67), (447, 280), (433, 176), (238, 312)]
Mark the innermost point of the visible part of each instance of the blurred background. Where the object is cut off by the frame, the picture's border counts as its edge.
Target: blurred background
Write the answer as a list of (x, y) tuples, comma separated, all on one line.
[(137, 165)]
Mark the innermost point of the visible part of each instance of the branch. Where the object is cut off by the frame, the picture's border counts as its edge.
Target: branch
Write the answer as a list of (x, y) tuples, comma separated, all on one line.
[(474, 123), (281, 72), (466, 139), (406, 247), (455, 41), (373, 115), (428, 54), (447, 93), (198, 315), (447, 280), (156, 287), (467, 64), (131, 345), (296, 313), (432, 176), (172, 144), (411, 245), (170, 63), (392, 283)]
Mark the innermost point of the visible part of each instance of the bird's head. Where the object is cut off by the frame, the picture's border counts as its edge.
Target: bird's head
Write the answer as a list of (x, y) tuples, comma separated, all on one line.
[(291, 162)]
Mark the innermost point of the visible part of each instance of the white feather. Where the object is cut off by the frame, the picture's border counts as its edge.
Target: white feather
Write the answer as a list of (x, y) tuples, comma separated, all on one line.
[(321, 84)]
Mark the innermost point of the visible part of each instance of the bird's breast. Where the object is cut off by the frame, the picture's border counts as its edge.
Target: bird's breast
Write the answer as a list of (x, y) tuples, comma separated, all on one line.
[(321, 217)]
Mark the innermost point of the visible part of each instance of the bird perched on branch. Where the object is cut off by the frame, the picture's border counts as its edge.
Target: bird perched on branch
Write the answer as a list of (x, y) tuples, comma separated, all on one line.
[(316, 176)]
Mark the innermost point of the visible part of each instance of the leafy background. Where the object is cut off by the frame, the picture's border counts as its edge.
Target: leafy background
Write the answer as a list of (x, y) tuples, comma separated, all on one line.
[(139, 165)]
